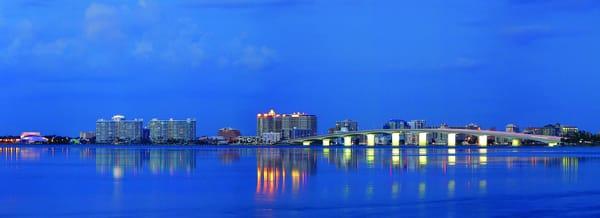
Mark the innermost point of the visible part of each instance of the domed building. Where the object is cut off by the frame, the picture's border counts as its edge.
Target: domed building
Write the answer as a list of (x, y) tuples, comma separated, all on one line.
[(32, 138)]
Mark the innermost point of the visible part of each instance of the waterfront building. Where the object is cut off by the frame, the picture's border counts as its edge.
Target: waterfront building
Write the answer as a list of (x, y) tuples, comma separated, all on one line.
[(417, 124), (512, 128), (268, 122), (271, 137), (346, 125), (32, 138), (396, 124), (551, 130), (9, 139), (229, 134), (473, 126), (288, 125), (568, 130), (87, 135), (298, 125), (248, 139), (533, 130), (118, 130), (172, 131)]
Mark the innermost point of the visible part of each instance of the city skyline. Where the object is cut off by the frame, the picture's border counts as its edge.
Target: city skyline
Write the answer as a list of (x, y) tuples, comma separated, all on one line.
[(525, 62), (301, 124)]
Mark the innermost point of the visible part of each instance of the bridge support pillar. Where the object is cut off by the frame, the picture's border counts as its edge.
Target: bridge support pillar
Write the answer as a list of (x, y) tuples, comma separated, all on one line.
[(347, 140), (370, 139), (451, 139), (483, 140), (306, 143), (516, 142), (422, 139), (396, 139), (326, 142)]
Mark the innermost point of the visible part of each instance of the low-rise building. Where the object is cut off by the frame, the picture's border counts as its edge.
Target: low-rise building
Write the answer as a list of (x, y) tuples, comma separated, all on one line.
[(229, 134), (271, 137)]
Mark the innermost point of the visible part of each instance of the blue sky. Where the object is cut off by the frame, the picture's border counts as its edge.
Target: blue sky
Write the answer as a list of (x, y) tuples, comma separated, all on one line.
[(65, 64)]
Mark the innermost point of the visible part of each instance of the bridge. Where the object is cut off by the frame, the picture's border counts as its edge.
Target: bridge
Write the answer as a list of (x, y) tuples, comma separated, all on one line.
[(516, 138)]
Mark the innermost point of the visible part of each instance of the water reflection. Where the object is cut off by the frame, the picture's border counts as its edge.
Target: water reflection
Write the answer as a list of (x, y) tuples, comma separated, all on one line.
[(119, 161), (313, 177), (283, 170)]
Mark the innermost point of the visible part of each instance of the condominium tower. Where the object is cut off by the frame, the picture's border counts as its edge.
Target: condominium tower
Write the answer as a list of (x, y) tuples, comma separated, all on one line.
[(118, 130), (172, 131), (295, 125)]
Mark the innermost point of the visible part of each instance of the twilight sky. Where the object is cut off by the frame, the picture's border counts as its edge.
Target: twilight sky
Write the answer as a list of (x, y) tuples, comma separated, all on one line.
[(66, 63)]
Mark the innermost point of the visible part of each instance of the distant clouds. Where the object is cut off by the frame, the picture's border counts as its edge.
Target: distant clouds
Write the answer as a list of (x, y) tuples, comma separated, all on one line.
[(524, 35), (559, 5), (102, 22), (106, 33), (242, 3), (139, 57)]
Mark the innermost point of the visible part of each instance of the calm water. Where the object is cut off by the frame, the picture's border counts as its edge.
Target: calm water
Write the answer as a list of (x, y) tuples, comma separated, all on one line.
[(106, 181)]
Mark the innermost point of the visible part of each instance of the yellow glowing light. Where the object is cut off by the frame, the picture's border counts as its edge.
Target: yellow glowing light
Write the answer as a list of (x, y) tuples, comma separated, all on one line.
[(347, 140), (370, 160), (451, 151), (395, 139), (423, 160), (452, 139), (395, 151), (370, 139), (516, 142), (452, 160), (395, 160), (347, 153), (483, 140), (483, 160), (422, 139), (370, 152)]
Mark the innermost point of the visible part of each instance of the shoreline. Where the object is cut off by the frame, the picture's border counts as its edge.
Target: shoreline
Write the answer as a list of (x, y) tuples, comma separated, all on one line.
[(285, 146)]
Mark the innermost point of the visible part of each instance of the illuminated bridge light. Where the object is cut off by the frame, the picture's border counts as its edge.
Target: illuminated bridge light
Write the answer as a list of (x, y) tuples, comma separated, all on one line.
[(423, 134)]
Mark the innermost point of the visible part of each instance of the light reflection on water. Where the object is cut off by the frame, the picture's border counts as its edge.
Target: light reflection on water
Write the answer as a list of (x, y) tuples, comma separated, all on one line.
[(288, 181)]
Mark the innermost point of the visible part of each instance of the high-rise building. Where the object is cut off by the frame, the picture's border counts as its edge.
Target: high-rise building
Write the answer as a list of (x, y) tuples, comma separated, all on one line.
[(396, 124), (118, 130), (298, 125), (268, 122), (229, 134), (289, 125), (512, 128), (346, 125), (417, 124), (172, 131)]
